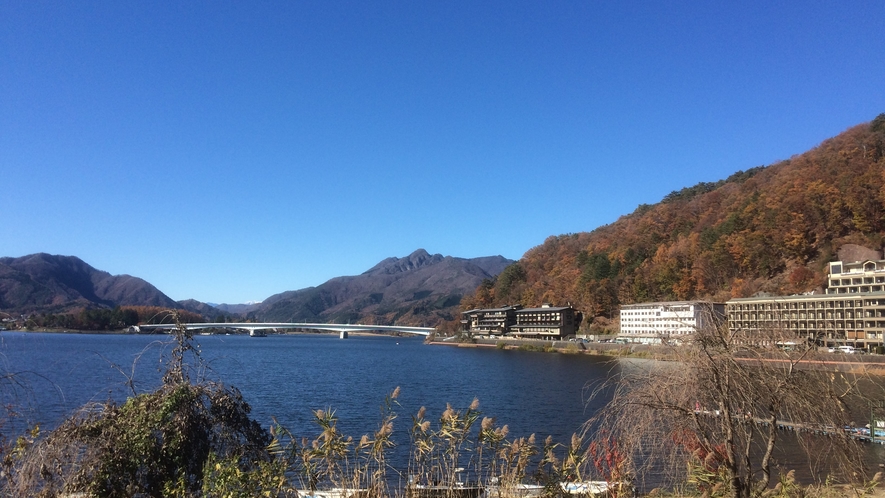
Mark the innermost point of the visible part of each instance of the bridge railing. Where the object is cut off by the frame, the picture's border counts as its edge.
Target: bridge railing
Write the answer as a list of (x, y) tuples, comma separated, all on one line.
[(332, 327)]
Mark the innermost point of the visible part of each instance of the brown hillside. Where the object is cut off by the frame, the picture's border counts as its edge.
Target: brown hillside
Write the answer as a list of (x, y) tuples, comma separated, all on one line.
[(45, 283), (767, 229)]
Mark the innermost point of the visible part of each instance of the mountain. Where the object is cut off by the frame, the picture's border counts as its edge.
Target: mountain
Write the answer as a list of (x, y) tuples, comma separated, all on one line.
[(205, 310), (768, 229), (235, 309), (54, 284), (419, 289)]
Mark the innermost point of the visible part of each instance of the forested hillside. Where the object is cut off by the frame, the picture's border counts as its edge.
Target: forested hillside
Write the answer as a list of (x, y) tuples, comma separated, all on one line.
[(769, 229)]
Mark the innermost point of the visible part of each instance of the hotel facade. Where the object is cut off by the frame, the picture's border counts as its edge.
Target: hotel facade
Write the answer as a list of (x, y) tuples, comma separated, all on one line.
[(653, 323), (851, 312), (547, 322)]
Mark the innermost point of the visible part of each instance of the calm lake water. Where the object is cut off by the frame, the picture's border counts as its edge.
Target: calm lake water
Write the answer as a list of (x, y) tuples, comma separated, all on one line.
[(287, 376)]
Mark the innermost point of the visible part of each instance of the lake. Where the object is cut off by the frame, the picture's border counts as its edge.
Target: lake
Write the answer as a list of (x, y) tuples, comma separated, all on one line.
[(287, 376)]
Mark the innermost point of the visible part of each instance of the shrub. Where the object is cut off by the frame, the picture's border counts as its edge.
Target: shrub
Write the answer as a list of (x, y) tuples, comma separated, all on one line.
[(154, 444), (571, 348)]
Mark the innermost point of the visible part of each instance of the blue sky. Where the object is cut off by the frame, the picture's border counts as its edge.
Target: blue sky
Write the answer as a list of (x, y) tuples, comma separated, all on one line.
[(227, 151)]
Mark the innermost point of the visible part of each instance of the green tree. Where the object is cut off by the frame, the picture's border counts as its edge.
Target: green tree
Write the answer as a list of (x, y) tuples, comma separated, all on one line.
[(508, 280)]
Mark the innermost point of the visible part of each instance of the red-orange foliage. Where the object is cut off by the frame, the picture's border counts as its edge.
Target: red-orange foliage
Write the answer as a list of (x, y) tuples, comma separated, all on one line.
[(769, 228), (610, 462)]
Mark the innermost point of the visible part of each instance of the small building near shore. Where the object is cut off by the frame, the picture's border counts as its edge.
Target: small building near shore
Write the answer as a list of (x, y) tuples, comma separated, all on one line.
[(490, 322), (546, 322)]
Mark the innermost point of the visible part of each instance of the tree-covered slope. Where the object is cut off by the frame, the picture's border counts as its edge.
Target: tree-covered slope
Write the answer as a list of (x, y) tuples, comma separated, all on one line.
[(767, 229)]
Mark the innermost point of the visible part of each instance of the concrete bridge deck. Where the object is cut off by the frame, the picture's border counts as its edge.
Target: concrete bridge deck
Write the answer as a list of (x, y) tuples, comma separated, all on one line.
[(332, 327)]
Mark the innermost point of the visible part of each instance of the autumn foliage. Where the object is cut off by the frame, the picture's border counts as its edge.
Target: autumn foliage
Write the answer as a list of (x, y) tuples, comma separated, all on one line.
[(767, 229), (116, 318)]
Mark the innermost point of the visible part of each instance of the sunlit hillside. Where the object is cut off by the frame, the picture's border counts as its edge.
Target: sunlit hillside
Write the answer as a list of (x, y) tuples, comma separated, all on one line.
[(766, 229)]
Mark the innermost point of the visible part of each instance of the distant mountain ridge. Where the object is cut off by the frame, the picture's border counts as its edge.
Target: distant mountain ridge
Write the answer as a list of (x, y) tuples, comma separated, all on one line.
[(414, 261), (235, 309), (45, 283), (419, 289)]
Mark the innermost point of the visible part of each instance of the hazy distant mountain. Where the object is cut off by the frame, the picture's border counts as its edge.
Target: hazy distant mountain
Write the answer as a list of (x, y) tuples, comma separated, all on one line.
[(418, 289), (236, 309), (204, 309), (48, 283)]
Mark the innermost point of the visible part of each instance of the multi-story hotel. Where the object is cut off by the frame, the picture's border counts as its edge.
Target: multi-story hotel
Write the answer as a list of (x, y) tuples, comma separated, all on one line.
[(546, 322), (652, 323), (492, 322), (852, 311)]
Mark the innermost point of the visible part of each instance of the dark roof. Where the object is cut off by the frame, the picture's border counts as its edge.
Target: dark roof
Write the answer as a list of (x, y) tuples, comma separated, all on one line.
[(487, 310)]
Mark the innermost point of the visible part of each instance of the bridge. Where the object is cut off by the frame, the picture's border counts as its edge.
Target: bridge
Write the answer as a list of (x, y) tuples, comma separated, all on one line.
[(331, 327)]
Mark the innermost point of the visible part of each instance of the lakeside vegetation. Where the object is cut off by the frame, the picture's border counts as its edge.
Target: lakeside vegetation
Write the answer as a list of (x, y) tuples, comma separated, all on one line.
[(195, 438), (101, 319)]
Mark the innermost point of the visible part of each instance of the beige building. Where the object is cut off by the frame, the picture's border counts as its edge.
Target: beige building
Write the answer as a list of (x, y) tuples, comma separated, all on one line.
[(852, 311), (827, 319), (856, 278)]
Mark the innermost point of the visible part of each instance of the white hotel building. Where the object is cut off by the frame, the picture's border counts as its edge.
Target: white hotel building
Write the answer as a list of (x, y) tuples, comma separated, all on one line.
[(650, 323)]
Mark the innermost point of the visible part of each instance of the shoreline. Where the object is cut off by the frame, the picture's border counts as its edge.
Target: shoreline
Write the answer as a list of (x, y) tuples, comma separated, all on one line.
[(124, 332), (869, 364)]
